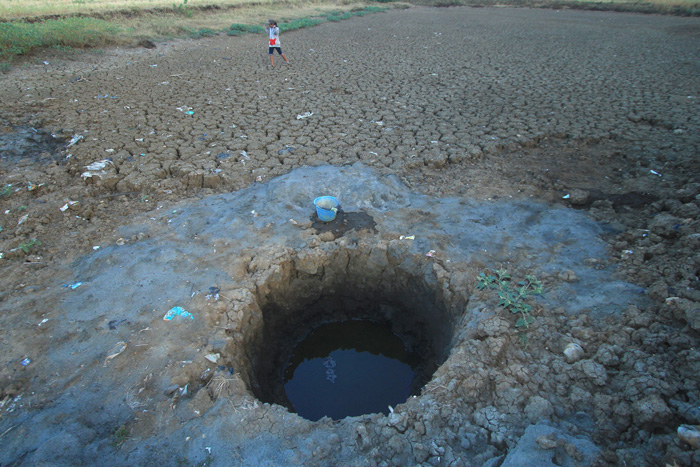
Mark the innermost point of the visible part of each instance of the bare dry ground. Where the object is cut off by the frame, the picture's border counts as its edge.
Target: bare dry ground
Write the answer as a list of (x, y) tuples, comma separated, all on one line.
[(591, 112)]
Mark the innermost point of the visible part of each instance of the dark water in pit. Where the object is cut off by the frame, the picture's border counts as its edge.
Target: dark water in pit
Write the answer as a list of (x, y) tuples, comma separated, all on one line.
[(347, 369)]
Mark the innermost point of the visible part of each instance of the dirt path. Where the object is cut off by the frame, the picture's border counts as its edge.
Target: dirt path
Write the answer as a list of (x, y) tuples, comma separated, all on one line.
[(568, 141)]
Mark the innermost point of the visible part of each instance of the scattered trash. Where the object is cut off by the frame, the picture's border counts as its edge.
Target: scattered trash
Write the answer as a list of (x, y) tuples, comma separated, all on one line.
[(690, 434), (177, 311), (225, 368), (189, 112), (26, 361), (213, 357), (304, 115), (245, 155), (573, 352), (115, 351), (33, 186), (213, 293), (96, 169), (114, 323), (96, 247), (407, 237), (326, 208), (566, 196), (23, 219), (43, 321), (74, 285), (74, 140), (65, 207), (431, 254), (654, 172), (288, 150)]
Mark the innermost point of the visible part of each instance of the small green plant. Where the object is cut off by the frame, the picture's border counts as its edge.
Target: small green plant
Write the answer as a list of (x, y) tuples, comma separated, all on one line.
[(299, 24), (339, 16), (120, 436), (200, 33), (6, 190), (26, 246), (236, 29), (182, 9), (513, 298)]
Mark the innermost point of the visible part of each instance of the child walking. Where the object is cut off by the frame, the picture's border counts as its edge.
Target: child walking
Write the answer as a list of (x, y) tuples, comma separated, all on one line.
[(273, 32)]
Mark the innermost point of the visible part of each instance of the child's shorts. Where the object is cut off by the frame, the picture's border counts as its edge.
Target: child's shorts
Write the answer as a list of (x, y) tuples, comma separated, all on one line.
[(272, 50)]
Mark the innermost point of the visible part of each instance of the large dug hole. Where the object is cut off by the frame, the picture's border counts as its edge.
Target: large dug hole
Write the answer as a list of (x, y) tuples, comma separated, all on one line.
[(352, 335)]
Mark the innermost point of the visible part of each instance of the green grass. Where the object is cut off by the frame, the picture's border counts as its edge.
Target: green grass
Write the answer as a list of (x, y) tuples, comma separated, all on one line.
[(299, 24), (120, 436), (23, 38), (339, 16), (199, 33), (236, 29)]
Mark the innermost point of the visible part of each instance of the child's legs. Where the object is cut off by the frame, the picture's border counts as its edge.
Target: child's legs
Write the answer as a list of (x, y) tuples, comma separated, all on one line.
[(279, 49)]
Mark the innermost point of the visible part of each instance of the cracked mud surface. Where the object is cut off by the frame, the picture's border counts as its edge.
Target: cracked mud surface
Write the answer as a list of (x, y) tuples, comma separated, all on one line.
[(562, 144)]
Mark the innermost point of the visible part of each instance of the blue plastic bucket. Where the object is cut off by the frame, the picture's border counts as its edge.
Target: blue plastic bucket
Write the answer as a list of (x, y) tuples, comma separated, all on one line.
[(326, 208)]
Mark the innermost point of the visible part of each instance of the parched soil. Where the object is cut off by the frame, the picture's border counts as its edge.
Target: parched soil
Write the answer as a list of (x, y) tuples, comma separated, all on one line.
[(563, 144)]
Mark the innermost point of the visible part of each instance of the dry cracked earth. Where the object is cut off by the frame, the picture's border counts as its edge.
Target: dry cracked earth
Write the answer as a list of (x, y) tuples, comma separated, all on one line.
[(588, 113)]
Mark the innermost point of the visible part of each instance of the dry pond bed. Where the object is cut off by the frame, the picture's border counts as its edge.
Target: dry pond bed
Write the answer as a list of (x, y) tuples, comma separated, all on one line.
[(178, 182)]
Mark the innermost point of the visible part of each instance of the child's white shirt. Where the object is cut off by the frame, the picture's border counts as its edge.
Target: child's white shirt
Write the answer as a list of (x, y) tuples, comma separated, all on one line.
[(274, 33)]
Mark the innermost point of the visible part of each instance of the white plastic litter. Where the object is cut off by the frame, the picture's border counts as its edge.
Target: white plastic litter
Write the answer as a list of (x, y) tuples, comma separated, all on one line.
[(96, 169), (74, 140)]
